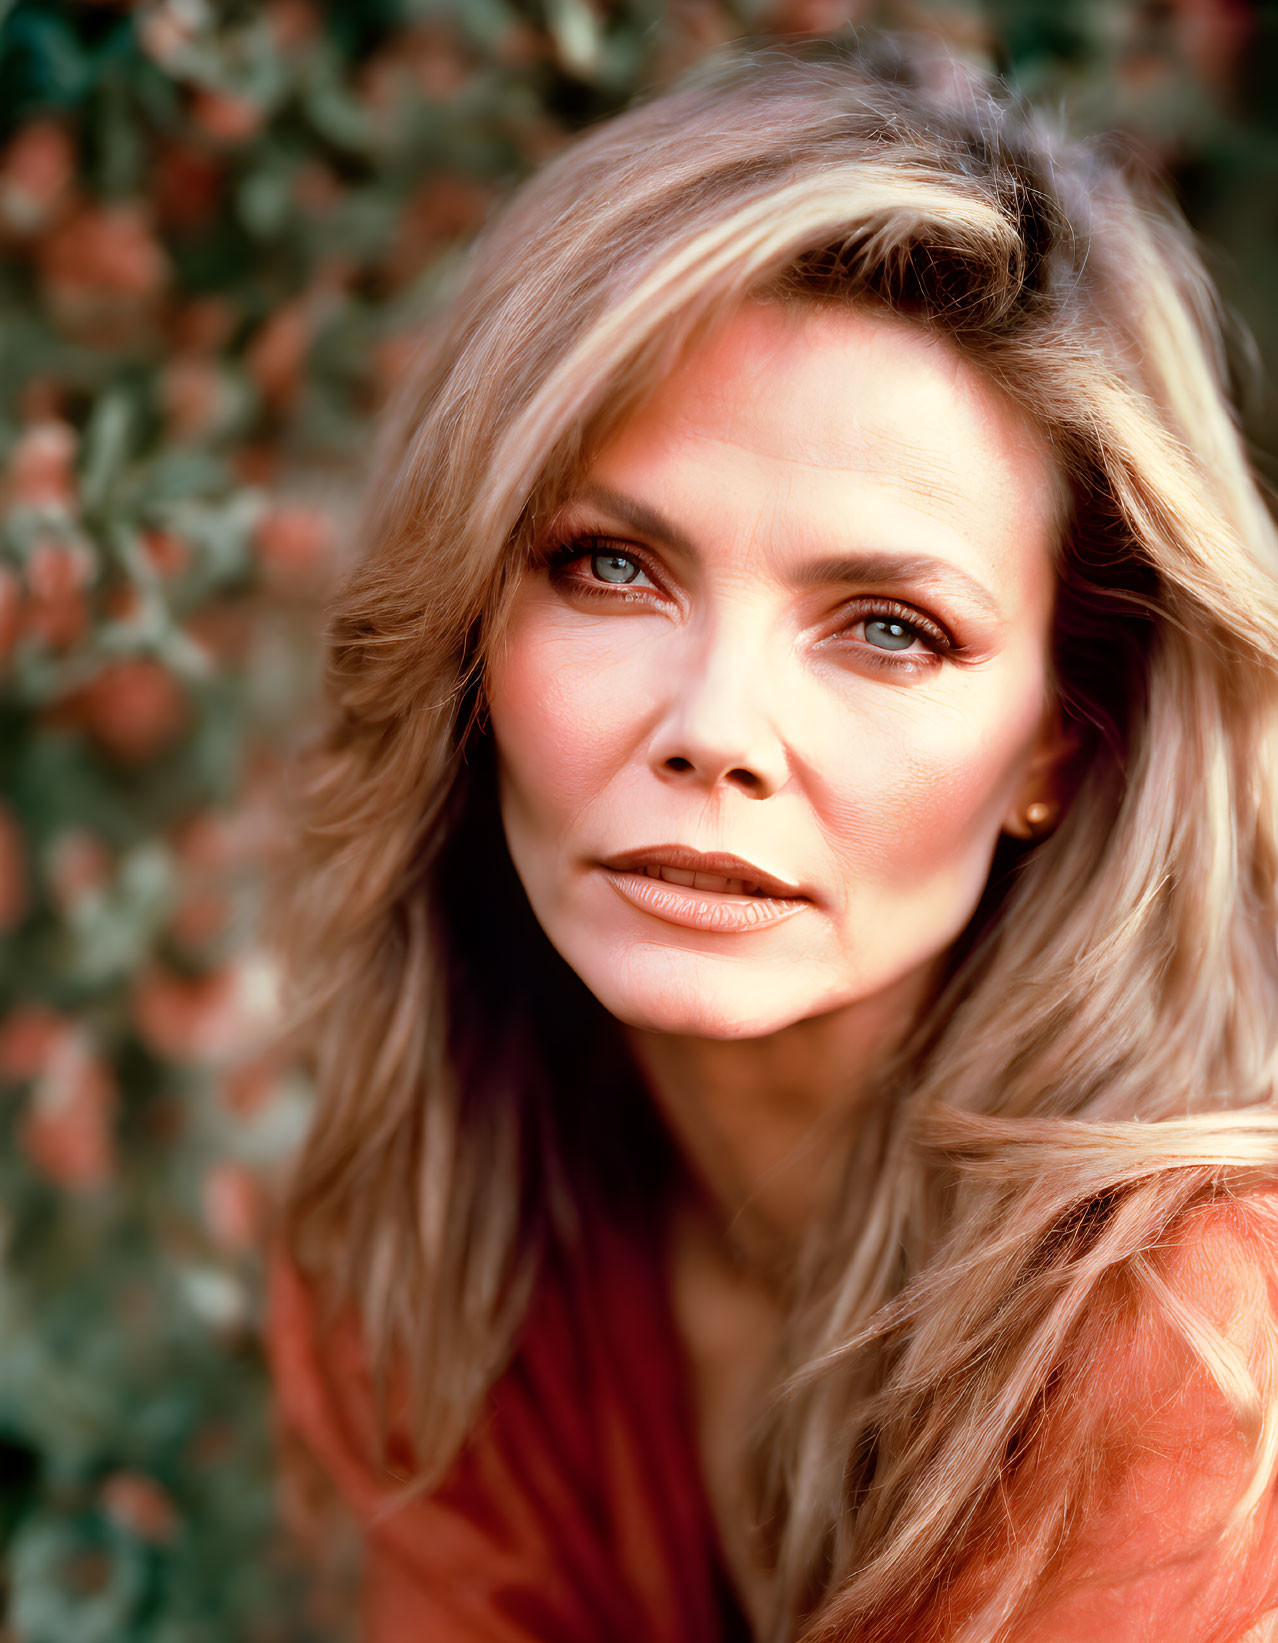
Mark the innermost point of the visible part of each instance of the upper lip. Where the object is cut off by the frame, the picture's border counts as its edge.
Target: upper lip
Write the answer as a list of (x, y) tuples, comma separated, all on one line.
[(699, 861)]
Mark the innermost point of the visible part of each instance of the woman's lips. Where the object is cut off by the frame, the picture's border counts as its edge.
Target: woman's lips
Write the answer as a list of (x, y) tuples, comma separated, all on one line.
[(704, 881), (700, 900)]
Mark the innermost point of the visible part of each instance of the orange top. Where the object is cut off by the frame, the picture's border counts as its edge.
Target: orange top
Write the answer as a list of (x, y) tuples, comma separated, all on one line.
[(1140, 1565), (577, 1513)]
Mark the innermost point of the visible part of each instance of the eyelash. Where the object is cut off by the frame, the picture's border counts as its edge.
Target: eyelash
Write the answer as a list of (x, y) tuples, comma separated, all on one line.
[(864, 608), (564, 554)]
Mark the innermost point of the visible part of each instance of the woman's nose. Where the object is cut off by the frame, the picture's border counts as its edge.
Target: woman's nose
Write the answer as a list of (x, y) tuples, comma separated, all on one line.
[(719, 728)]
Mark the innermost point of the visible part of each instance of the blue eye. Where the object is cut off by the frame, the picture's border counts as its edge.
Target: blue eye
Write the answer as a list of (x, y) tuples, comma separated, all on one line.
[(886, 634), (610, 566)]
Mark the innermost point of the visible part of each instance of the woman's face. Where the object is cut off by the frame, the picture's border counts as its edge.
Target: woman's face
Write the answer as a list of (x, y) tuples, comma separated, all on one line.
[(799, 615)]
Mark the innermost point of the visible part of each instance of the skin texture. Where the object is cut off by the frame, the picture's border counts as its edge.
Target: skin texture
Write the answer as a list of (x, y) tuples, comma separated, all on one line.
[(731, 697), (717, 701)]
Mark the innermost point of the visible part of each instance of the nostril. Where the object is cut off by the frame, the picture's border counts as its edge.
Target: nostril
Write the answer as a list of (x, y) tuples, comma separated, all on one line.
[(739, 775)]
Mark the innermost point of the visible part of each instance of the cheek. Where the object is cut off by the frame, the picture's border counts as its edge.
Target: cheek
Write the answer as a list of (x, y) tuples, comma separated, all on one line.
[(919, 788), (564, 709)]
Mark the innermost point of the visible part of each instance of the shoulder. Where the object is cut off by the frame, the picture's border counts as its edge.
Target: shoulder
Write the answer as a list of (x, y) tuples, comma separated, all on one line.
[(1168, 1415), (1234, 1238), (1199, 1327), (1185, 1359)]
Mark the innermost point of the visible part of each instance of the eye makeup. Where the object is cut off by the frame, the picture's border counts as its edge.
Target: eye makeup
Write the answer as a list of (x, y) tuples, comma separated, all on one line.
[(890, 629), (561, 558), (595, 566)]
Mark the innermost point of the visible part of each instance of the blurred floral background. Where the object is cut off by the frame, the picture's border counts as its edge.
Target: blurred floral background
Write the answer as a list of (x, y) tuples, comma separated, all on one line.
[(221, 228)]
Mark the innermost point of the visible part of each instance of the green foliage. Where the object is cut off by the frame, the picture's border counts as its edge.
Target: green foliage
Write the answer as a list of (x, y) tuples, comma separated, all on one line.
[(221, 227)]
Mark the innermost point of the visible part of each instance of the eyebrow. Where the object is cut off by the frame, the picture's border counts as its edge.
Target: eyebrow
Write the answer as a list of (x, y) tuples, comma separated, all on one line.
[(873, 565), (640, 517), (884, 566)]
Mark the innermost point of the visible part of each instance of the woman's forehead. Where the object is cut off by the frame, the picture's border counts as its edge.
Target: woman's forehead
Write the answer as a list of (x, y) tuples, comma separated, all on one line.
[(815, 423), (838, 386)]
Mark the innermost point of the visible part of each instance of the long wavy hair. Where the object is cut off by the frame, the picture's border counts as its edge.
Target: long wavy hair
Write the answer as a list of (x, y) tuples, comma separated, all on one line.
[(1101, 1060)]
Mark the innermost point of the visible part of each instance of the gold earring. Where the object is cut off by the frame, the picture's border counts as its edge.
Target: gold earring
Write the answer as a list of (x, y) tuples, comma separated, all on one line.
[(1039, 816)]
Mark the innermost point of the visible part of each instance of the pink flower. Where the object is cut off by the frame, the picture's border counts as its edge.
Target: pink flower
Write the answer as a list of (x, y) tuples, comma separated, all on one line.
[(252, 1086), (36, 173), (205, 842), (141, 1506), (188, 1018), (67, 1129), (233, 1206), (122, 603), (78, 863), (520, 43), (434, 56), (193, 394), (201, 916), (1212, 36), (106, 248), (295, 543), (57, 574), (224, 630), (226, 118), (277, 353), (57, 623), (41, 470), (293, 23), (134, 708), (167, 552), (204, 324), (165, 30), (29, 1035), (813, 16), (102, 270), (56, 569)]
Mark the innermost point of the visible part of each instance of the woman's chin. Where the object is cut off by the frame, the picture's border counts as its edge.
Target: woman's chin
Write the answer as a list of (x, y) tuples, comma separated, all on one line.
[(701, 1023), (701, 1006)]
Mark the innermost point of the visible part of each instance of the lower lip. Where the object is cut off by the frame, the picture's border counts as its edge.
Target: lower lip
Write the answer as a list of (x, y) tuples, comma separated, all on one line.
[(702, 909)]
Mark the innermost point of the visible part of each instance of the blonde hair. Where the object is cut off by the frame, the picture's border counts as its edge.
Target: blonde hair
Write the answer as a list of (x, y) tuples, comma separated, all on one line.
[(1102, 1059)]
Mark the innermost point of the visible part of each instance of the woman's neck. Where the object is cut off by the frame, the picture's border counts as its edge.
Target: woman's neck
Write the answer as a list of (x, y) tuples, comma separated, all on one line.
[(763, 1123)]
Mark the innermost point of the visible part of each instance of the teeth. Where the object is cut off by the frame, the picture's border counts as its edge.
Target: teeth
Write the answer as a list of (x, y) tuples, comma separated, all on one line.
[(731, 887), (703, 881)]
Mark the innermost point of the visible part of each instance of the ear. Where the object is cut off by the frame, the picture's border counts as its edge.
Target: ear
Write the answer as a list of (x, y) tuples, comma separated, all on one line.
[(1043, 782)]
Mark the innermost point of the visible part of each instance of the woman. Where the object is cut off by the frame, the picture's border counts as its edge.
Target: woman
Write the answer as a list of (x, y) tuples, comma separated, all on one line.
[(785, 935)]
